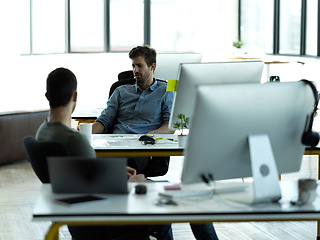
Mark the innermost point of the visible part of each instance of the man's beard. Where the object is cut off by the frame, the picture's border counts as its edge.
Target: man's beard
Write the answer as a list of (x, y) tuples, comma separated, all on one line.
[(142, 79)]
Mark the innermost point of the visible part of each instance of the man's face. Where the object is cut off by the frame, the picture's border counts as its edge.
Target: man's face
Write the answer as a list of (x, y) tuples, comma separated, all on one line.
[(141, 70)]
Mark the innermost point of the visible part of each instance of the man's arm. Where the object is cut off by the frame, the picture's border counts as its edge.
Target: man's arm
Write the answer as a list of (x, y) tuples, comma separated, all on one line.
[(164, 129), (97, 127)]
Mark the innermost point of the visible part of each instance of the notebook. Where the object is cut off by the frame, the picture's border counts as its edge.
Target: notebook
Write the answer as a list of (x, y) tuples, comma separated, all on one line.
[(88, 175)]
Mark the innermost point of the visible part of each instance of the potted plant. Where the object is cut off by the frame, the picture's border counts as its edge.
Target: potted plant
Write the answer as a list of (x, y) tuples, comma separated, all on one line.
[(237, 51), (180, 125), (237, 44)]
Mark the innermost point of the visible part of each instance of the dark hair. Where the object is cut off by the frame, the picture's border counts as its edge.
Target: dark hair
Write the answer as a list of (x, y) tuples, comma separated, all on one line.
[(149, 54), (61, 84)]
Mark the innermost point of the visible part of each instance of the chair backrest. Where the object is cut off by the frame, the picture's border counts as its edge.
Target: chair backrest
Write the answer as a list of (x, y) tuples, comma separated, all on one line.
[(125, 75), (38, 151), (119, 83)]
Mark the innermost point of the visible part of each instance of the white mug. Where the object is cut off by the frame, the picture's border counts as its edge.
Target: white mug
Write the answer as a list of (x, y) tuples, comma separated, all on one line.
[(307, 190), (86, 129)]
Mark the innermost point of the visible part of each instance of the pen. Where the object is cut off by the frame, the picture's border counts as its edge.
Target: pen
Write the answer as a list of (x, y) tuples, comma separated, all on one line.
[(171, 139)]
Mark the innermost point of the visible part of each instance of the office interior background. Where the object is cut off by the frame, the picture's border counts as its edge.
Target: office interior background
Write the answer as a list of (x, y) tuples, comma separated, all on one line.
[(93, 38)]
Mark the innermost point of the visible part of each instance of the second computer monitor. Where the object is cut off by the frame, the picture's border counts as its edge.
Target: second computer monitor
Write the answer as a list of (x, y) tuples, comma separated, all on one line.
[(226, 116), (248, 130), (168, 64), (195, 74)]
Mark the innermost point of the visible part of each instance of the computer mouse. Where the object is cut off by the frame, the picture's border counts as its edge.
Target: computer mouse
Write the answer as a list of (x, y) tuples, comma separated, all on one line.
[(140, 189), (146, 138)]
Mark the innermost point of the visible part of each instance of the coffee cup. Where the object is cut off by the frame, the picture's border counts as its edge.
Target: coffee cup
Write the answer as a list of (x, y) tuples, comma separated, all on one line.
[(307, 190), (86, 129)]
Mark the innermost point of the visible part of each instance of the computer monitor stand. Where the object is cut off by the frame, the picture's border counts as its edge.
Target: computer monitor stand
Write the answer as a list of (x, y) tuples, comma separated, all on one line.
[(266, 185)]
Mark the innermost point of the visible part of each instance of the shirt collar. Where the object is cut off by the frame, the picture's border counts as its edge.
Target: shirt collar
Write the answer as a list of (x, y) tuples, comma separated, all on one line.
[(152, 87)]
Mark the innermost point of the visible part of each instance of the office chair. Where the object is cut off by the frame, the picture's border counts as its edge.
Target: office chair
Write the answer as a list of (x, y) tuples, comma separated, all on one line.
[(158, 166), (125, 75), (38, 151)]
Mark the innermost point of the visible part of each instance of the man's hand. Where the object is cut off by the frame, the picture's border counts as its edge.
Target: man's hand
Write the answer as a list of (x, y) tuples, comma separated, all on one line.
[(137, 178), (133, 177), (97, 127), (164, 129), (131, 172)]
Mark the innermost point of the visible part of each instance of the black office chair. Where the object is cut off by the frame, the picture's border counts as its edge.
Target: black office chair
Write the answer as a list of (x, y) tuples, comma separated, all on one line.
[(38, 151), (158, 166), (125, 75)]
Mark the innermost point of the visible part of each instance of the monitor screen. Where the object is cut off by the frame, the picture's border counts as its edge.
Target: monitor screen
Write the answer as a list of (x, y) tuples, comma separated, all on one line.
[(226, 115), (168, 64), (195, 74)]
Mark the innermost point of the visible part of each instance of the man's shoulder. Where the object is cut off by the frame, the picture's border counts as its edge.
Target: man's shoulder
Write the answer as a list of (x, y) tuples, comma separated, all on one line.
[(162, 82), (125, 88)]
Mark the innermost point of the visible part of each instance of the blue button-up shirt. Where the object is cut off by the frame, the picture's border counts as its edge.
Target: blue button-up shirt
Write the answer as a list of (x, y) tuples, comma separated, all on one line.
[(132, 110)]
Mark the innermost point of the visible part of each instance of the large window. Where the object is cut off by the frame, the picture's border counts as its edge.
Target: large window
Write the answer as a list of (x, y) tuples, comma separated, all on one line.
[(273, 26), (126, 24), (48, 26), (87, 26), (257, 25), (290, 22), (288, 27), (312, 32), (60, 26), (187, 25), (24, 24)]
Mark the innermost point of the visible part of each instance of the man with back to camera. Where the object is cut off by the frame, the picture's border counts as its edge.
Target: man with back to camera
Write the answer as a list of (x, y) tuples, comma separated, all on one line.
[(142, 108), (62, 96)]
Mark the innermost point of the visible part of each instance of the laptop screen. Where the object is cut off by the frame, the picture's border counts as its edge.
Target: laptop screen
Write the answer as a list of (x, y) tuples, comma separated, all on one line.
[(88, 175)]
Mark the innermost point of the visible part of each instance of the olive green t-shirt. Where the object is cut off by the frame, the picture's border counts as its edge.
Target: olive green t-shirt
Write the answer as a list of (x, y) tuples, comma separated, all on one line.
[(77, 143)]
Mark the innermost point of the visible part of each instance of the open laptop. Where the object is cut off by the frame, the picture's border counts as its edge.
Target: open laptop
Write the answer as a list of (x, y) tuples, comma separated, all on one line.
[(88, 175)]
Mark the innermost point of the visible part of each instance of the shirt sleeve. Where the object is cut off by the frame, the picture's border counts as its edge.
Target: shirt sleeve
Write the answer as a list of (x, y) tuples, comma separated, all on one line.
[(108, 115), (167, 106), (79, 145)]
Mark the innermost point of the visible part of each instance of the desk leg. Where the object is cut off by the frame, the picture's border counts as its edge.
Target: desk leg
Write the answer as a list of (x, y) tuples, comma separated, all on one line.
[(53, 232)]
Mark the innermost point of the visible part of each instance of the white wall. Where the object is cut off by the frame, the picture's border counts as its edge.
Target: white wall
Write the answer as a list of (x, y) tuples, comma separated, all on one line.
[(25, 78)]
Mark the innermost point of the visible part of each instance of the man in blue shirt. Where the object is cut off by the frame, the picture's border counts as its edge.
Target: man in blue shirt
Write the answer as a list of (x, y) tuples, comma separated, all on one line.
[(140, 108)]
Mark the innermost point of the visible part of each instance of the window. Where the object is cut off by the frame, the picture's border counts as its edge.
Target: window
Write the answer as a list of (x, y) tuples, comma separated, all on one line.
[(48, 26), (126, 24), (25, 27), (257, 25), (186, 25), (87, 32), (290, 23), (311, 38)]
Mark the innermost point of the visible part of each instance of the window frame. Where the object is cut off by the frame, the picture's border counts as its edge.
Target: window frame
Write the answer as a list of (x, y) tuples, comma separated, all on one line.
[(276, 29)]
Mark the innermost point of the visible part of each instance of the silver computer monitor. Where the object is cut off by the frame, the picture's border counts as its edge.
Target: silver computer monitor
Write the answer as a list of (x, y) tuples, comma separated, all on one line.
[(168, 64), (195, 74), (244, 130)]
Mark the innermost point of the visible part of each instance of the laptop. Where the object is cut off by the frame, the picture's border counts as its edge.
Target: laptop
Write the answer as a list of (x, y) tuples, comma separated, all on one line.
[(88, 175)]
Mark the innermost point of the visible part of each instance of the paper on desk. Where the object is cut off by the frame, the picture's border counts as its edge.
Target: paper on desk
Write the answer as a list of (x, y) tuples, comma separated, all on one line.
[(124, 137), (98, 143)]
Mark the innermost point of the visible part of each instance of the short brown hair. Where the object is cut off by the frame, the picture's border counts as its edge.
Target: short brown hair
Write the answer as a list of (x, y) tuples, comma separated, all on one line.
[(149, 54), (61, 84)]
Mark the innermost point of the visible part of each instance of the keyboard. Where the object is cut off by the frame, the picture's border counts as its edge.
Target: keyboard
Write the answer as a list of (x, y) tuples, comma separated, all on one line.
[(202, 193)]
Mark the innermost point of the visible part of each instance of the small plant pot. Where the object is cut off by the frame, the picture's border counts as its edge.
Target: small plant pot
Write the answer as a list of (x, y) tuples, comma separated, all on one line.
[(182, 140)]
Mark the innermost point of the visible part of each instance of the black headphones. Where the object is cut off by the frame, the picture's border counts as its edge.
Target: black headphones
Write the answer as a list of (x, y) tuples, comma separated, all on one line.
[(310, 138)]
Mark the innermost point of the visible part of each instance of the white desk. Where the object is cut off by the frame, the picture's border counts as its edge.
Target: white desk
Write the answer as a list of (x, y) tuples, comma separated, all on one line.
[(142, 209), (128, 145)]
